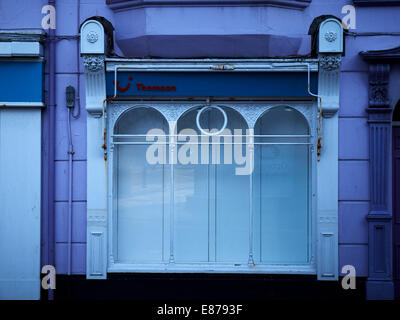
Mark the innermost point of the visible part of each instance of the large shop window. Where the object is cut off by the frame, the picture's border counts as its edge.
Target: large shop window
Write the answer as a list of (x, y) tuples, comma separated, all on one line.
[(217, 217)]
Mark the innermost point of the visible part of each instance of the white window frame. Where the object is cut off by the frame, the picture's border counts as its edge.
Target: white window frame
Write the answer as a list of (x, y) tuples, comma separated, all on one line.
[(250, 111)]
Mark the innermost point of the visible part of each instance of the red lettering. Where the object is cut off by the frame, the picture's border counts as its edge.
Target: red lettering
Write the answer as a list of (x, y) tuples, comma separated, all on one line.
[(142, 87)]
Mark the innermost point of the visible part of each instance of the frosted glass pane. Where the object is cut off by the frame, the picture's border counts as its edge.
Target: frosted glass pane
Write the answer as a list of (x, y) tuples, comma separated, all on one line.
[(282, 120), (211, 202), (283, 197), (140, 121), (140, 206), (232, 204), (281, 194), (232, 215), (141, 192), (191, 213), (191, 216)]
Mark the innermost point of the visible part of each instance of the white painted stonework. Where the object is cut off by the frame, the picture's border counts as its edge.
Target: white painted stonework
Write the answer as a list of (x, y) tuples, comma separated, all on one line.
[(330, 48), (324, 184)]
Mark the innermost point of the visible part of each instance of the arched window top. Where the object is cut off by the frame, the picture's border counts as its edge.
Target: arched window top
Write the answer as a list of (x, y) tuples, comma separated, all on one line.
[(140, 120), (283, 120), (212, 119)]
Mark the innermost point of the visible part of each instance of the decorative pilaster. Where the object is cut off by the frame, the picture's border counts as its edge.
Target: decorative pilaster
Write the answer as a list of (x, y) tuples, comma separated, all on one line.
[(330, 49), (380, 277), (93, 53), (380, 282)]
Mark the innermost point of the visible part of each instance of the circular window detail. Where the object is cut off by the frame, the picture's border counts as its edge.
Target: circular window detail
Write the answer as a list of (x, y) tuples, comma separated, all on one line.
[(205, 108)]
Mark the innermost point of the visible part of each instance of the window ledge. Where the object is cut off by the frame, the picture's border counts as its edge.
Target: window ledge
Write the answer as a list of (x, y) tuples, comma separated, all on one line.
[(213, 268), (124, 4)]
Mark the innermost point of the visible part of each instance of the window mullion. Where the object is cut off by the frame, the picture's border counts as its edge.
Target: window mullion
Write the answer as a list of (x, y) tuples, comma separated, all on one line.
[(250, 147), (172, 160), (212, 212)]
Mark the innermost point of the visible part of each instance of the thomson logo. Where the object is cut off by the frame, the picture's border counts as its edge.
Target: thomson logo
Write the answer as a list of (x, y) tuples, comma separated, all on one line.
[(142, 87)]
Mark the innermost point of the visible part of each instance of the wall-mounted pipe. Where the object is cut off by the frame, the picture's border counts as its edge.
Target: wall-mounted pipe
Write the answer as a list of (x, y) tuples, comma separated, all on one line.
[(78, 86), (70, 172), (70, 98)]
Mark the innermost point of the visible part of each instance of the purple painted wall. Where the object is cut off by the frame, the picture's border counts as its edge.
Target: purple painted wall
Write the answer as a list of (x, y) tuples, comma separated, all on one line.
[(353, 134)]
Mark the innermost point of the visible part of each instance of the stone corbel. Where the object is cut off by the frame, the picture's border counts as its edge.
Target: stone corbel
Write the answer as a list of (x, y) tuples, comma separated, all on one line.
[(330, 48), (93, 54), (378, 85)]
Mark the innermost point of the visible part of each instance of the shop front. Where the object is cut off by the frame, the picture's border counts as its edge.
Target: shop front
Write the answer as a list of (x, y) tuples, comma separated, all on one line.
[(212, 165), (22, 71)]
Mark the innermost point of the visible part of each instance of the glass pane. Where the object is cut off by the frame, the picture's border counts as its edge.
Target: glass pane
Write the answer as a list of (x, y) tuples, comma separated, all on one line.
[(281, 191), (141, 192), (232, 200), (140, 121), (191, 191), (211, 201)]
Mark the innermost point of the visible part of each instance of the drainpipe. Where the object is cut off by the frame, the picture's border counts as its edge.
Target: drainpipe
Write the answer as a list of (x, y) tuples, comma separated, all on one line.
[(70, 154), (70, 94), (78, 86), (51, 168)]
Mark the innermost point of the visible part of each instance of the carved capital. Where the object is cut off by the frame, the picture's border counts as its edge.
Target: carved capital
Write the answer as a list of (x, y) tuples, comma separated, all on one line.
[(330, 62), (378, 85), (93, 63)]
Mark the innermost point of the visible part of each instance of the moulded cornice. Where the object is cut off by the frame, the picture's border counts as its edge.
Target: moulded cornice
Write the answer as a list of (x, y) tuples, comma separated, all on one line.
[(127, 4), (370, 3), (384, 56)]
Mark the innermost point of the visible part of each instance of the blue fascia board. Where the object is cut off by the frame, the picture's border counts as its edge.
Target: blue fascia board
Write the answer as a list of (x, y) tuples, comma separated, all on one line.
[(218, 84), (21, 81)]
